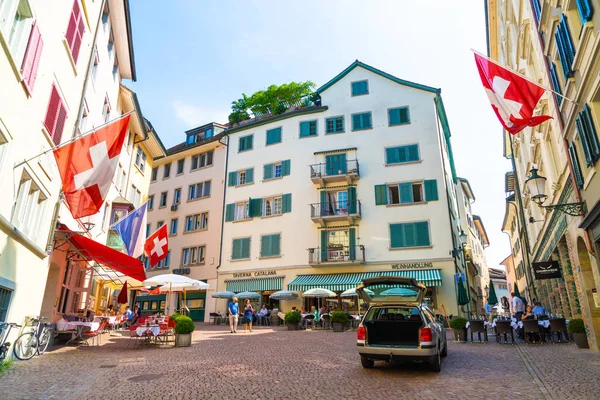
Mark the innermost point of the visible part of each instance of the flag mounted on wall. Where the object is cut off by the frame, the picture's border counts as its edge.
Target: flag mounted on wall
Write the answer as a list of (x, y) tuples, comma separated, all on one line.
[(157, 246), (513, 97), (132, 230)]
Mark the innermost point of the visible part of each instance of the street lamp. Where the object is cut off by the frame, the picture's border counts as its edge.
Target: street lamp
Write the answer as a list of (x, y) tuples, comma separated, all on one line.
[(463, 242), (536, 184), (487, 291)]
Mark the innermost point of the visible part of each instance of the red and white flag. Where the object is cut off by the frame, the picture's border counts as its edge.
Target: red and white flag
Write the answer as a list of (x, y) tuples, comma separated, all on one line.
[(88, 165), (513, 97), (157, 245)]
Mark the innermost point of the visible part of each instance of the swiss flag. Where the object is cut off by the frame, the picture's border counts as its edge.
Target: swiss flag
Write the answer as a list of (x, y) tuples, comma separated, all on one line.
[(513, 98), (157, 245), (88, 165)]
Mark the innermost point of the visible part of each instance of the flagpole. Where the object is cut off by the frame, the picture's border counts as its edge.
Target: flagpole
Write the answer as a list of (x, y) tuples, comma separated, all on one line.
[(72, 140), (524, 77)]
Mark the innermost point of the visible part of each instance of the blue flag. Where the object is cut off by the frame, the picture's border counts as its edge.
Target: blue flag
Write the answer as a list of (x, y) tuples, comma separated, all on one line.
[(132, 230)]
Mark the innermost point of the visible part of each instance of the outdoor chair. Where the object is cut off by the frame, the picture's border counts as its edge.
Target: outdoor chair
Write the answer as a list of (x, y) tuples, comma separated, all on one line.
[(558, 326), (309, 319), (266, 320), (479, 328), (95, 334), (504, 328), (531, 329), (326, 321), (214, 317)]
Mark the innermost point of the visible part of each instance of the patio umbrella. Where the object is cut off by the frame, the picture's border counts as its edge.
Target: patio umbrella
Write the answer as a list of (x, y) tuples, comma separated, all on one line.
[(170, 280), (122, 299), (248, 295), (516, 290), (223, 295), (352, 293), (400, 292), (492, 298), (463, 298), (284, 295), (319, 293)]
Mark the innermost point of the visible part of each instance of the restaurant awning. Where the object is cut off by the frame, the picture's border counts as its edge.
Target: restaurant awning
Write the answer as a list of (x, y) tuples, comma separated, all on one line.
[(254, 284), (107, 257), (341, 282)]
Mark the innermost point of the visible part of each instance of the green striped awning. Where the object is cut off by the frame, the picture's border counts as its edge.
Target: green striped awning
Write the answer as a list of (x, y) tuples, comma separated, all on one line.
[(340, 282), (254, 284)]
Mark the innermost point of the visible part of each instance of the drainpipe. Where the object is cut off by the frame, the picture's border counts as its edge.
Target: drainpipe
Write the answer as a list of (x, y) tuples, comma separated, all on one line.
[(226, 144)]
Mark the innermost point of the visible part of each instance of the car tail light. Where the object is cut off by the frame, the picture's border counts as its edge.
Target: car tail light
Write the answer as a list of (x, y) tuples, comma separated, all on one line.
[(425, 335), (362, 333)]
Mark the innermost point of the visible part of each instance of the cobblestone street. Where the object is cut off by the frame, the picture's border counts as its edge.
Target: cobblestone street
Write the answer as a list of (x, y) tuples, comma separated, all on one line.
[(273, 363)]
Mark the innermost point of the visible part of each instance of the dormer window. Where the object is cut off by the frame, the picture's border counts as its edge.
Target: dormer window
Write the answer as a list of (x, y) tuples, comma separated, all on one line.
[(360, 88)]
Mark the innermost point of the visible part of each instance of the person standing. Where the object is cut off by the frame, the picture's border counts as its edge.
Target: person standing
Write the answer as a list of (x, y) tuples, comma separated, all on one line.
[(248, 316), (517, 308), (233, 314)]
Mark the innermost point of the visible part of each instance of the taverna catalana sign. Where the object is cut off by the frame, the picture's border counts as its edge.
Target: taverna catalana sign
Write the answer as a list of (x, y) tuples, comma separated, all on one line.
[(255, 273)]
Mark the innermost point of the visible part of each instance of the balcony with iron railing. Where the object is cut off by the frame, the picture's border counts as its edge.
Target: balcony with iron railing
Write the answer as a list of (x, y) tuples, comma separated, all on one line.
[(344, 171), (333, 211), (336, 255)]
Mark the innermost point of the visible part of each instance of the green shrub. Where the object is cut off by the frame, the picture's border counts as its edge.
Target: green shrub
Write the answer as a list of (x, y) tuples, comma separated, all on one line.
[(576, 325), (458, 323), (293, 317), (184, 325), (175, 317), (339, 317)]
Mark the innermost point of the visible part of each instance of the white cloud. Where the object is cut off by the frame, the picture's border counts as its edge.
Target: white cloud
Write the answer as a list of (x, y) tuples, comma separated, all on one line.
[(193, 115)]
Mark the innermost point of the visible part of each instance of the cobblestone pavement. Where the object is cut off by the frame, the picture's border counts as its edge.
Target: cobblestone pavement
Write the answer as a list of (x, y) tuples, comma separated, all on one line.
[(273, 363)]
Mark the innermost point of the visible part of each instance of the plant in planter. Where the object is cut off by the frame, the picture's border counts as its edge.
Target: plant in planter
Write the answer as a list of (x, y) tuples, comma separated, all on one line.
[(459, 325), (577, 328), (292, 319), (184, 326), (339, 319)]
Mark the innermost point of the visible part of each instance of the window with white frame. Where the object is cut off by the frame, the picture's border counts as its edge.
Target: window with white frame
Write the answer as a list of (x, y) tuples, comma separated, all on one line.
[(150, 202), (3, 147), (16, 19), (106, 109), (96, 62), (193, 255), (198, 190), (196, 222), (140, 158), (241, 211), (163, 200), (406, 193), (154, 174), (272, 206), (84, 118), (241, 178), (177, 196), (202, 160), (30, 208), (173, 227)]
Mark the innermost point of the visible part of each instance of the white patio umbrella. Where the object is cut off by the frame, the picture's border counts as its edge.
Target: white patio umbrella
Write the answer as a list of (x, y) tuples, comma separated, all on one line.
[(248, 295), (284, 295), (319, 293), (352, 293), (170, 280)]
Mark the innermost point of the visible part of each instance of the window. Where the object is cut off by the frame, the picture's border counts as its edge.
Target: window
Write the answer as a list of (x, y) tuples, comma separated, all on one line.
[(406, 193), (75, 30), (16, 19), (106, 109), (555, 82), (177, 196), (30, 208), (154, 174), (167, 171), (105, 16), (415, 234), (270, 245), (585, 9), (588, 136), (5, 295), (135, 195), (243, 177), (159, 224), (164, 263), (402, 154), (196, 222), (163, 200), (241, 211), (576, 166), (173, 228), (148, 229), (32, 58), (3, 148), (273, 136), (96, 62), (115, 67), (140, 158), (56, 114), (241, 249), (564, 44), (111, 43), (308, 129), (199, 190), (84, 116), (334, 125), (195, 303), (180, 164), (398, 116), (272, 206), (245, 143), (360, 87), (150, 202), (361, 121), (202, 160), (193, 255)]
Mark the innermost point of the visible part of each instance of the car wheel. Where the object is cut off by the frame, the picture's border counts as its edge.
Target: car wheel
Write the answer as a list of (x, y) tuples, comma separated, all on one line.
[(445, 351), (436, 363), (366, 363)]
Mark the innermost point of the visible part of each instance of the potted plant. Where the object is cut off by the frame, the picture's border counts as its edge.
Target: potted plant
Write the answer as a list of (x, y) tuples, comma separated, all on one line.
[(339, 319), (459, 325), (184, 326), (292, 319), (577, 328)]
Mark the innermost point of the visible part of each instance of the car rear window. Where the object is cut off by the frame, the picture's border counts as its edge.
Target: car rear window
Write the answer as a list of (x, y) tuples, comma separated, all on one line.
[(393, 314)]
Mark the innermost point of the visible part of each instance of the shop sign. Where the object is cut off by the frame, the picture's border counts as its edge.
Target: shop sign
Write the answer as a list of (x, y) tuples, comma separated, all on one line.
[(546, 270), (417, 265), (256, 273), (182, 271), (459, 276)]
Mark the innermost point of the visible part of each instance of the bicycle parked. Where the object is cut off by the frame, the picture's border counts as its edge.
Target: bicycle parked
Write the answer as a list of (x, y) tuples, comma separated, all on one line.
[(34, 341), (5, 328)]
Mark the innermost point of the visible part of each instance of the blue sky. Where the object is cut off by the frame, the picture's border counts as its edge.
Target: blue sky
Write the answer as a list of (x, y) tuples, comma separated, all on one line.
[(195, 57)]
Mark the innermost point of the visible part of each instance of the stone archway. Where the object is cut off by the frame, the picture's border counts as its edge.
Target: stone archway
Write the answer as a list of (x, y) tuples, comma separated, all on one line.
[(588, 284)]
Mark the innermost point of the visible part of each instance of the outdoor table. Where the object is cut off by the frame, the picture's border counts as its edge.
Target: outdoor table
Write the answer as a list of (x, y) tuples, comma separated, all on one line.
[(142, 331), (543, 323), (485, 323), (79, 326), (112, 319)]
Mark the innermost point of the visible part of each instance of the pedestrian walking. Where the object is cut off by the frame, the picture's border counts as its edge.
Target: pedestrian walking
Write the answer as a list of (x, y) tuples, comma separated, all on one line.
[(248, 316), (233, 314)]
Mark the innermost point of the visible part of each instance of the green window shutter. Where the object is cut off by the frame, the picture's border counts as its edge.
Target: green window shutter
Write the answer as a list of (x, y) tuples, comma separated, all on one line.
[(265, 246), (229, 212), (404, 117), (422, 233), (397, 236), (330, 162), (431, 190), (245, 250), (352, 243), (392, 155), (356, 122), (342, 163), (406, 193), (236, 251), (591, 134), (273, 136), (323, 202), (360, 87), (250, 175), (255, 208), (249, 142), (268, 172), (285, 167), (367, 123), (276, 245), (381, 195), (394, 116), (323, 245), (243, 144), (232, 181), (286, 203), (352, 204), (412, 152), (410, 235), (584, 141), (305, 129)]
